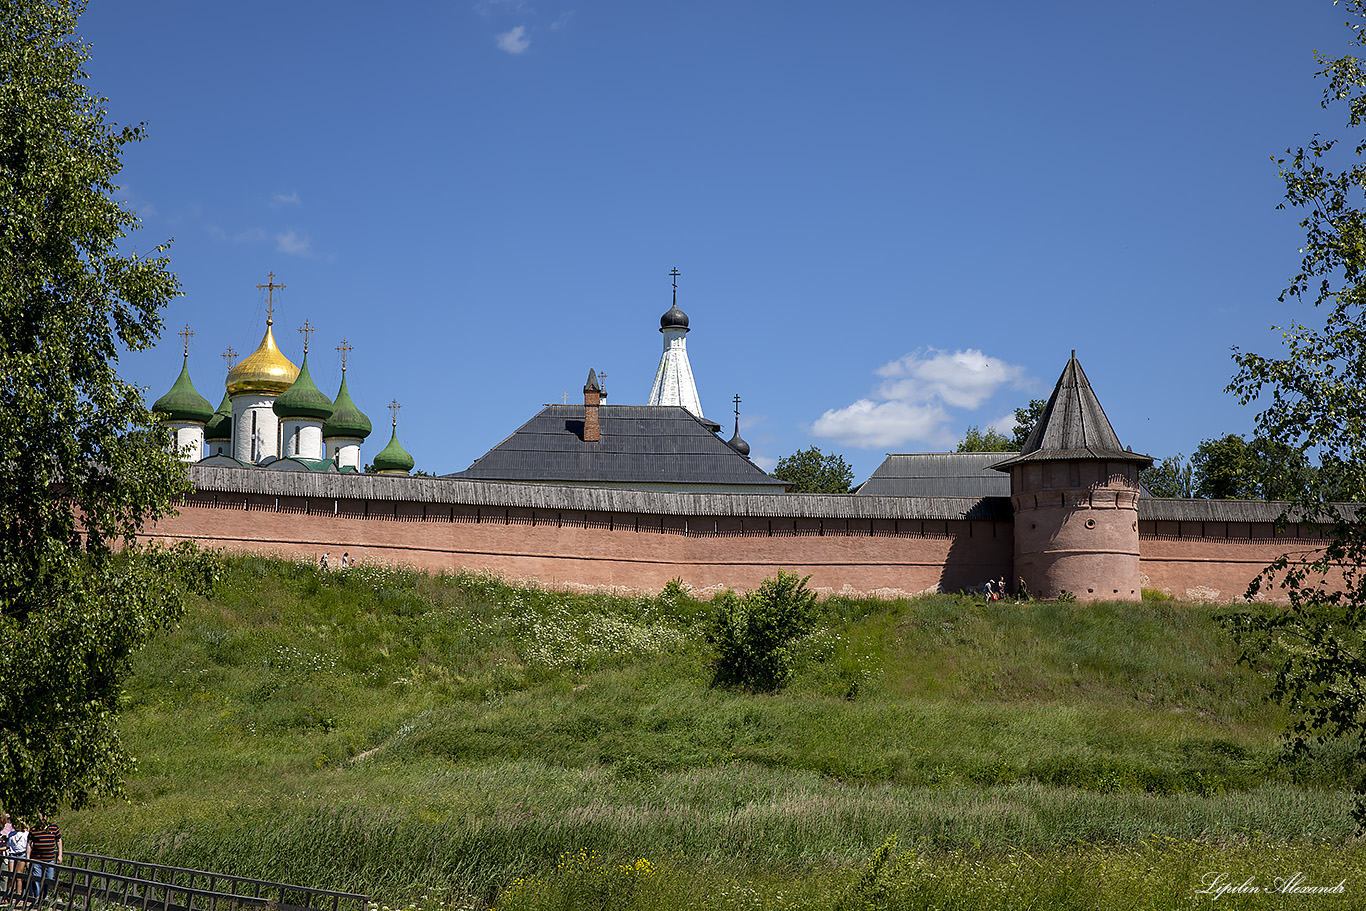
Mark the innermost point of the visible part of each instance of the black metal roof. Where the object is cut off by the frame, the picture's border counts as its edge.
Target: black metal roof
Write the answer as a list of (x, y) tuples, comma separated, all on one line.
[(938, 474), (640, 444), (1073, 426)]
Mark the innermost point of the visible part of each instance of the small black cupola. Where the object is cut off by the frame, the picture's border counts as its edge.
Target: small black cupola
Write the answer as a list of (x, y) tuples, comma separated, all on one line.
[(735, 442)]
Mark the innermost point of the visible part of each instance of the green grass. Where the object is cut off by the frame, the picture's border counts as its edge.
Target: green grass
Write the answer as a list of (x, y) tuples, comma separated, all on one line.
[(434, 740)]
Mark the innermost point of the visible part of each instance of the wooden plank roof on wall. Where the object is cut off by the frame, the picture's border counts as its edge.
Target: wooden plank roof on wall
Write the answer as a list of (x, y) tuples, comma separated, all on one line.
[(495, 494)]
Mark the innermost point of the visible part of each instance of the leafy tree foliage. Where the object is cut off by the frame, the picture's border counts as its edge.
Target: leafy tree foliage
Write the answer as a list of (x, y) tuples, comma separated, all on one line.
[(990, 440), (752, 635), (1231, 468), (1025, 419), (1313, 396), (811, 471), (1171, 477), (83, 463)]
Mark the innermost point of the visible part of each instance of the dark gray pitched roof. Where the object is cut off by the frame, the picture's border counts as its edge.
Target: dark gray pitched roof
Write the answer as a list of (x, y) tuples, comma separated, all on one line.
[(640, 444), (938, 474), (1073, 426)]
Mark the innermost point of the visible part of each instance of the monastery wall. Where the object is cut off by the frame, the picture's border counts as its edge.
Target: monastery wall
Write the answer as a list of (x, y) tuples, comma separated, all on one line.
[(573, 549), (589, 537), (1216, 560)]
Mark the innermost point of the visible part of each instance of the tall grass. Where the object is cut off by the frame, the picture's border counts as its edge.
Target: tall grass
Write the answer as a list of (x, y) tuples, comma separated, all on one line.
[(438, 738)]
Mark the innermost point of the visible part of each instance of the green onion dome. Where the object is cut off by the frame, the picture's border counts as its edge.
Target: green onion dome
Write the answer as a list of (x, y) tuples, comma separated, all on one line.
[(303, 399), (183, 402), (347, 420), (393, 458), (220, 425)]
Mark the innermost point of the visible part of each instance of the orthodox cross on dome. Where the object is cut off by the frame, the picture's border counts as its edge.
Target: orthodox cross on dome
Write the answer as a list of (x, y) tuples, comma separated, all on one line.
[(675, 273), (306, 330), (345, 349), (602, 382), (230, 356), (564, 398), (737, 406), (394, 406), (270, 287), (185, 335)]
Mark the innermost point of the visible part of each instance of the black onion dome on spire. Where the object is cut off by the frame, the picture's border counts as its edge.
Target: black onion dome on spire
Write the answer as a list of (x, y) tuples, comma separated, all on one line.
[(738, 444), (674, 319)]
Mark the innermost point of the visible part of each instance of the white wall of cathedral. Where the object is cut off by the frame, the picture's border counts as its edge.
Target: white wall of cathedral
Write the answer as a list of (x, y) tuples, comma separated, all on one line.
[(255, 428), (189, 440), (302, 438), (344, 451), (674, 384)]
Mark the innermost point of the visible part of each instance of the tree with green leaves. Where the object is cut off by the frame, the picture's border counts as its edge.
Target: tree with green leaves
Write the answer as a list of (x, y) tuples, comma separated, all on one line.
[(1025, 419), (751, 636), (1313, 398), (1171, 477), (990, 440), (1232, 468), (83, 463), (811, 471)]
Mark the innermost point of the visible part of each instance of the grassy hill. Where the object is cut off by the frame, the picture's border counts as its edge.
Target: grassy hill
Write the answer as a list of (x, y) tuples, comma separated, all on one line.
[(456, 741)]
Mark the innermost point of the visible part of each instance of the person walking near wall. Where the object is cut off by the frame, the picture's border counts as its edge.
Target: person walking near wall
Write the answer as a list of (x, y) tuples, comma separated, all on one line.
[(45, 852)]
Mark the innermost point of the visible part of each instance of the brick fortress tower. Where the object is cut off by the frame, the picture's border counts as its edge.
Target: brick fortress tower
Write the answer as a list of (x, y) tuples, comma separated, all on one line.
[(1074, 489)]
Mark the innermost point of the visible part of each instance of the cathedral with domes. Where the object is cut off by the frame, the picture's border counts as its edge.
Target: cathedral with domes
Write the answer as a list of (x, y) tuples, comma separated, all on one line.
[(274, 416)]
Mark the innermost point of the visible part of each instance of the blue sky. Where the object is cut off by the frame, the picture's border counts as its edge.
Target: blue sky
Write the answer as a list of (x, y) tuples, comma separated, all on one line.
[(892, 219)]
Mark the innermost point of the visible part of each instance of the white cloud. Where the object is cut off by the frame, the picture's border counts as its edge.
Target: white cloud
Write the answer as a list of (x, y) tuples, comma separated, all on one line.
[(514, 41), (561, 22), (294, 243), (764, 463), (914, 400), (1004, 424), (882, 425), (291, 199), (961, 379)]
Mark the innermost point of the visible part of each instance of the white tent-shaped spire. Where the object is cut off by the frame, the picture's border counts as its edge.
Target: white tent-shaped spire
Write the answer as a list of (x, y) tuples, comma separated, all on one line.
[(674, 384)]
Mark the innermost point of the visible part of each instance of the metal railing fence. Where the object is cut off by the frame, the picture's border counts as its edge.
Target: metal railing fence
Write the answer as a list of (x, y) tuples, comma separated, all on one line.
[(91, 881)]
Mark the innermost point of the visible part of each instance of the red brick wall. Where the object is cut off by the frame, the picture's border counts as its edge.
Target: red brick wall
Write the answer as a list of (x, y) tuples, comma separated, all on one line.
[(1215, 560), (1202, 560), (628, 551)]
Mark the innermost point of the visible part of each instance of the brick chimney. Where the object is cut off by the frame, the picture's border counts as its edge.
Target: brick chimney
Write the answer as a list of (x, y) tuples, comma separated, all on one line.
[(592, 398)]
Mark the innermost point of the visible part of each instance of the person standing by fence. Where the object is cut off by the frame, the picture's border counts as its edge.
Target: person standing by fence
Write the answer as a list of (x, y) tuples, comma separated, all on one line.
[(16, 849), (45, 852)]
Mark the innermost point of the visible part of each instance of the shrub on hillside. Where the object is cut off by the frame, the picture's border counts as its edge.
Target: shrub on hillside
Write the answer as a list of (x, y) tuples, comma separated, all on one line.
[(751, 636)]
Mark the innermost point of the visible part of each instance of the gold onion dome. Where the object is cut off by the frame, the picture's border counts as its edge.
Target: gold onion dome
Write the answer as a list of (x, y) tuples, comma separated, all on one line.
[(265, 371)]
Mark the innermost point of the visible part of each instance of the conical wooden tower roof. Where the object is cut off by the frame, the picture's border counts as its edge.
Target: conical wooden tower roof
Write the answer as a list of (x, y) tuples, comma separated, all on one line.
[(1073, 426)]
